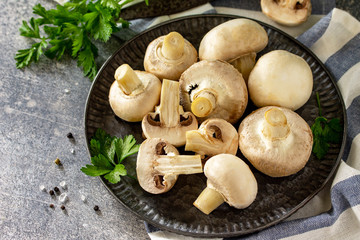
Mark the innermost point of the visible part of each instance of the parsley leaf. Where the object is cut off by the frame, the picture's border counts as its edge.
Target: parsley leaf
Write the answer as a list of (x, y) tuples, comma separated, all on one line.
[(31, 31), (77, 35), (325, 132), (59, 47), (102, 143), (61, 15), (126, 147), (104, 150), (114, 4), (320, 147), (98, 22), (114, 175), (71, 29), (41, 11), (24, 56), (94, 171), (86, 59), (100, 166)]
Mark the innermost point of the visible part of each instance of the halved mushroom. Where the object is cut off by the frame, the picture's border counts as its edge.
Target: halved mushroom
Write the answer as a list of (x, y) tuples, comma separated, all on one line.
[(277, 141), (280, 78), (159, 164), (229, 179), (168, 56), (213, 89), (287, 12), (169, 121), (236, 41), (131, 90), (213, 137)]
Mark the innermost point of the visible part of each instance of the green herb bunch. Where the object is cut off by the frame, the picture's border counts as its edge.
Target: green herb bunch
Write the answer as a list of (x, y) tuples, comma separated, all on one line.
[(107, 155), (71, 29), (325, 132)]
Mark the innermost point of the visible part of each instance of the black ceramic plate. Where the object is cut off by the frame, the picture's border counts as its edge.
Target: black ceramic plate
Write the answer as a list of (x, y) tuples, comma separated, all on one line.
[(277, 198)]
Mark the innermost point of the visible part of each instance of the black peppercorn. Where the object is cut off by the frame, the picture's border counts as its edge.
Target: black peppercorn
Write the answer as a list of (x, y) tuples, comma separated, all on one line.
[(56, 189), (62, 207), (69, 135), (96, 208), (51, 192), (51, 206)]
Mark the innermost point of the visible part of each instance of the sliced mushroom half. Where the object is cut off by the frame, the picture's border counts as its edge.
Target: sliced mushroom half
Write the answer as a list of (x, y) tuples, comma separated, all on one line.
[(213, 89), (236, 41), (131, 90), (214, 136), (159, 164), (287, 12), (277, 141), (168, 56), (169, 121)]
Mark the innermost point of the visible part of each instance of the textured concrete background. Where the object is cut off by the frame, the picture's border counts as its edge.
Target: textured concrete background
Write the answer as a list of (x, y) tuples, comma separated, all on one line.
[(39, 105), (36, 115)]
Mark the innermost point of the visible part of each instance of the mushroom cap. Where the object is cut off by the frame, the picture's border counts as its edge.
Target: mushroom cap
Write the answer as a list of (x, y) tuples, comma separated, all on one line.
[(232, 39), (214, 136), (175, 135), (223, 81), (232, 178), (285, 12), (150, 179), (142, 101), (276, 158), (280, 78), (156, 63)]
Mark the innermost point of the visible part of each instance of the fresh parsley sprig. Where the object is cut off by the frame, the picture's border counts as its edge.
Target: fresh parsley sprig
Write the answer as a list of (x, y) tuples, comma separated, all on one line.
[(324, 132), (71, 29), (108, 154)]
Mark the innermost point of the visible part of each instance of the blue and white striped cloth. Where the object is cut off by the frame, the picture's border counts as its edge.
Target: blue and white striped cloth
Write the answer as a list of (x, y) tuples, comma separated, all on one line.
[(334, 36)]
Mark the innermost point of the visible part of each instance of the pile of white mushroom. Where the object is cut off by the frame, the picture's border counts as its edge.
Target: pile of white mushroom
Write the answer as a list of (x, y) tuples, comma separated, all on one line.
[(178, 92)]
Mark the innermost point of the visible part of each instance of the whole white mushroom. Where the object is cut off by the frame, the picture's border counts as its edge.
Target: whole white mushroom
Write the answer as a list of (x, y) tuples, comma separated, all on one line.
[(213, 89), (287, 12), (168, 56), (280, 78), (277, 141), (133, 93), (229, 179), (236, 41)]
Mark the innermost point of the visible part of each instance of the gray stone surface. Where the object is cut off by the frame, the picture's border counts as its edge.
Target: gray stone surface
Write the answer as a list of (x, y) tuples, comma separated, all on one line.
[(36, 114)]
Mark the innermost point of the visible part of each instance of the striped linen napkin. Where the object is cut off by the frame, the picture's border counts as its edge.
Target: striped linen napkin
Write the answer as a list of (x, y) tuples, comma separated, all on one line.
[(334, 36)]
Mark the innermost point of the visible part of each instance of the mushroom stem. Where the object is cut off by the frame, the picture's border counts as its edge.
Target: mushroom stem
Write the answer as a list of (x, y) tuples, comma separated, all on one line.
[(244, 64), (169, 109), (173, 46), (127, 79), (178, 164), (197, 142), (203, 104), (208, 200), (275, 125)]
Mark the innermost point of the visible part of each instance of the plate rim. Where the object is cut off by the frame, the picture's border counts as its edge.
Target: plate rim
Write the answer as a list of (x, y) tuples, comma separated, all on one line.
[(235, 233)]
